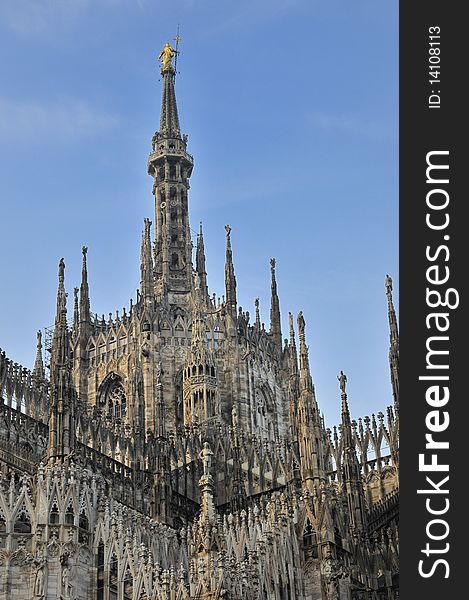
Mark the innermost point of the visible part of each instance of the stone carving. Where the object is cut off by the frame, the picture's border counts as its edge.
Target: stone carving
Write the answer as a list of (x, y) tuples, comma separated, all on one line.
[(97, 483), (38, 588)]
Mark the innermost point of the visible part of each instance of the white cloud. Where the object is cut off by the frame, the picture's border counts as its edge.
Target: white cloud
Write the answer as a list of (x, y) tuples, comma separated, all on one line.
[(68, 119)]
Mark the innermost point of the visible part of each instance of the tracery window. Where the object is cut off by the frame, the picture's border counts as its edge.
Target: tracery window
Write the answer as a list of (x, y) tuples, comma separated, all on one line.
[(116, 402), (310, 543), (264, 413), (112, 397), (100, 573), (22, 523), (69, 516)]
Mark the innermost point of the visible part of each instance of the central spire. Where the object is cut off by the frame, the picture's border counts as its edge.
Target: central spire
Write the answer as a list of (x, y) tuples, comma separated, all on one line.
[(169, 120), (171, 166)]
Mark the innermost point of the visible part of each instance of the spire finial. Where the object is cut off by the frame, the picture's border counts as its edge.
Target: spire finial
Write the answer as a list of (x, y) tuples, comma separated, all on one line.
[(169, 119), (60, 340), (346, 424), (62, 395), (85, 316), (292, 330), (342, 378), (146, 264), (230, 279), (166, 56), (38, 369), (393, 343), (61, 295), (301, 328), (200, 263), (75, 310), (275, 327), (305, 375), (293, 356)]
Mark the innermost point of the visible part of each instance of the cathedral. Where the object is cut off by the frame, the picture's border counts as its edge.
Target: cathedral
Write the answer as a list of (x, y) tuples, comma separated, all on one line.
[(176, 450)]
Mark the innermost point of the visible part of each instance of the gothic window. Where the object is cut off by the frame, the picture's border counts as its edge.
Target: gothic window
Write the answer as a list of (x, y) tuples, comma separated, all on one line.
[(83, 528), (69, 515), (54, 514), (264, 413), (128, 585), (338, 537), (310, 543), (179, 396), (112, 397), (216, 337), (117, 402), (175, 260), (100, 573), (113, 578), (22, 523)]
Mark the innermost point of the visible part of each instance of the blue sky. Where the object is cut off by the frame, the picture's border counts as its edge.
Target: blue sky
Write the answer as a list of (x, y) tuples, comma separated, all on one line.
[(291, 111)]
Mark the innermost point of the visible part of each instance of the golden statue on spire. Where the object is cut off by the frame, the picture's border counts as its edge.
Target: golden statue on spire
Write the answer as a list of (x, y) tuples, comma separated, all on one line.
[(166, 56)]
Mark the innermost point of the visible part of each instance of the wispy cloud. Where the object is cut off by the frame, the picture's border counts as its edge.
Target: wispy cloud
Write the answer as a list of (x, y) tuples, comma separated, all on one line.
[(372, 129), (67, 119), (35, 16)]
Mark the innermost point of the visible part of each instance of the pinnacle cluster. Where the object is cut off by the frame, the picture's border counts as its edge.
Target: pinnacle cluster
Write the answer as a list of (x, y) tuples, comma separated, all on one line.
[(177, 450)]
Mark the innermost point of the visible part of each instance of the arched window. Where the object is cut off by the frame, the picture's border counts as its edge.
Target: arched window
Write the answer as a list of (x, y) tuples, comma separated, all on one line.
[(128, 585), (22, 523), (100, 572), (264, 413), (113, 577), (112, 397), (310, 543), (175, 260), (54, 514), (83, 528), (117, 403), (69, 515)]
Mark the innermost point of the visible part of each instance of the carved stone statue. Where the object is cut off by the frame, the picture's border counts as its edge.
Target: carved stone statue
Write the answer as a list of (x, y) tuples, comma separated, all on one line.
[(234, 416), (38, 589), (67, 586), (301, 325), (206, 456), (342, 381)]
